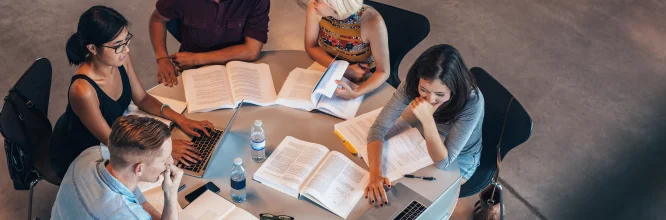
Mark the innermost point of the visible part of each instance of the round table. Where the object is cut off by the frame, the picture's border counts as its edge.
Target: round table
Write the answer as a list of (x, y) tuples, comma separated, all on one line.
[(279, 122)]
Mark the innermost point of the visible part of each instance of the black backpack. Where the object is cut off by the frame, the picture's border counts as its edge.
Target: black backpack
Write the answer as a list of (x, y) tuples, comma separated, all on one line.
[(26, 127)]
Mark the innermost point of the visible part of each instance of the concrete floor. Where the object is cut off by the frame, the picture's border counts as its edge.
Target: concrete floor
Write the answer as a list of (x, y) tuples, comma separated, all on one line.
[(591, 73)]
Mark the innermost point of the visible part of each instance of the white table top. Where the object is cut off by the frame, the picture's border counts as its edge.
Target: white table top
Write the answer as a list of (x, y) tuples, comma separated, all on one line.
[(279, 122)]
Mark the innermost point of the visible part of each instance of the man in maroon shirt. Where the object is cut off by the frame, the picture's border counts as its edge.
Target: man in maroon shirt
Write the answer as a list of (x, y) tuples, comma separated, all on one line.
[(211, 32)]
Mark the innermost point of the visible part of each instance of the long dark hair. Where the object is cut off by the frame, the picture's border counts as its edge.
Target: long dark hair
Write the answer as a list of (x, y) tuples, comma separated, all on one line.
[(97, 25), (443, 62)]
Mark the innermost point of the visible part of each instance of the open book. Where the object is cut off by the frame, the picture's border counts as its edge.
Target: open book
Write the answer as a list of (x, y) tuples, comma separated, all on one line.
[(214, 87), (175, 105), (210, 206), (328, 178), (405, 150), (154, 195), (312, 89)]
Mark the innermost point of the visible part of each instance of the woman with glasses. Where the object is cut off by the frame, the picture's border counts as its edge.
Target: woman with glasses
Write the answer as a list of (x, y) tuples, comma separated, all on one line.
[(101, 90)]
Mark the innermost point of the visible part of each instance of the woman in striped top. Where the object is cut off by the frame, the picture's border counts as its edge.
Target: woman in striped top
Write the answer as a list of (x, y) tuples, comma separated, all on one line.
[(346, 29)]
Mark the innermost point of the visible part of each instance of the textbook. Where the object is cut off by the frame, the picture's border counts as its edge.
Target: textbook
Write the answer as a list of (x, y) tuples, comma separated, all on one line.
[(212, 206), (303, 169), (311, 89), (215, 87), (175, 105), (405, 150)]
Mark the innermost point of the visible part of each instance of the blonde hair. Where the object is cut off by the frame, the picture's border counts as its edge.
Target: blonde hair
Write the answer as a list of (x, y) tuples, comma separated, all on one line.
[(345, 8)]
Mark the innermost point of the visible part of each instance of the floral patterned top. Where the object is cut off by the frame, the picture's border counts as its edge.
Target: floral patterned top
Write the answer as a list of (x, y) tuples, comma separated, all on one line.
[(343, 38)]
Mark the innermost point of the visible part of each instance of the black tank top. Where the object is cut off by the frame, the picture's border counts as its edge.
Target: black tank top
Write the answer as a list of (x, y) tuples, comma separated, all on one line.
[(70, 137)]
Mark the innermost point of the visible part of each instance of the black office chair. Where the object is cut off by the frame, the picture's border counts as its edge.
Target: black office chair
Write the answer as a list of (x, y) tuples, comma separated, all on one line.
[(27, 129), (405, 30), (518, 129)]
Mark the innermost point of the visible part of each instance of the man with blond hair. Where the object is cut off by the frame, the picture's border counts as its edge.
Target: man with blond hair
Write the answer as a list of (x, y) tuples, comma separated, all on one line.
[(102, 182)]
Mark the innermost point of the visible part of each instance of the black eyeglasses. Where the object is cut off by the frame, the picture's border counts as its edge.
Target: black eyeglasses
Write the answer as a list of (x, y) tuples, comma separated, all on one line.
[(267, 216), (120, 48)]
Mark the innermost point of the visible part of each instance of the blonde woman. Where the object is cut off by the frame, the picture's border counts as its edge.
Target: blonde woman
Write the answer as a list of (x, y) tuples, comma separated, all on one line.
[(347, 29)]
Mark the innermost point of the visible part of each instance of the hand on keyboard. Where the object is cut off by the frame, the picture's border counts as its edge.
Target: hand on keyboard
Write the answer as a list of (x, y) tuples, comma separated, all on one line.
[(184, 152), (195, 128)]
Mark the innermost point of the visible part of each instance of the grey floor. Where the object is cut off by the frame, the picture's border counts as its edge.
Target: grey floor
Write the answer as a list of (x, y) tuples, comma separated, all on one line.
[(591, 73)]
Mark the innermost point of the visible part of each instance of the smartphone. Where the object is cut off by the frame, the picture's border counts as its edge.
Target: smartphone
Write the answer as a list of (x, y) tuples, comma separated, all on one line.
[(196, 193)]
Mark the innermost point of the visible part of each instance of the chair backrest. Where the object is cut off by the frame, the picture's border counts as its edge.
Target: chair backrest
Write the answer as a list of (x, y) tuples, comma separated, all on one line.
[(405, 30), (518, 122), (25, 125)]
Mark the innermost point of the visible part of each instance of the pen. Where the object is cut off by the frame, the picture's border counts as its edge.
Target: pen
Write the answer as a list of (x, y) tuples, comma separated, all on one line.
[(182, 187), (429, 178)]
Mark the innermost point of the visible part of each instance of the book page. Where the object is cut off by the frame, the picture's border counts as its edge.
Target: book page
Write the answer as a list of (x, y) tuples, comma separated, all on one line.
[(339, 107), (240, 214), (208, 206), (207, 88), (404, 153), (175, 105), (290, 164), (327, 85), (337, 184), (154, 194), (251, 82), (317, 67), (356, 130), (296, 91)]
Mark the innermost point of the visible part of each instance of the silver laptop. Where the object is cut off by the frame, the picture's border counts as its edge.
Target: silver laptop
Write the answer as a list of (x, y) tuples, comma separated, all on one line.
[(207, 146), (406, 204)]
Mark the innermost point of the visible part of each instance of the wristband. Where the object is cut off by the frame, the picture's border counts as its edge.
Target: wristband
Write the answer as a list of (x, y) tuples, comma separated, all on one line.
[(158, 59), (162, 109)]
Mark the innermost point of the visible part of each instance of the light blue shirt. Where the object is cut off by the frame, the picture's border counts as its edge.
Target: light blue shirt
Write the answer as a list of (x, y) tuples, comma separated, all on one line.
[(89, 191)]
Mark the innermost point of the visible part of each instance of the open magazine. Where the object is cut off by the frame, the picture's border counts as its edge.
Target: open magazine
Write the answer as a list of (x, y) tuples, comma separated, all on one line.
[(405, 150), (328, 178), (211, 206), (214, 87)]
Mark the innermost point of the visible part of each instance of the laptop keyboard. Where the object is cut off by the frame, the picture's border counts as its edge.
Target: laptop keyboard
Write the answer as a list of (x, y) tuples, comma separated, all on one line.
[(206, 146), (412, 211)]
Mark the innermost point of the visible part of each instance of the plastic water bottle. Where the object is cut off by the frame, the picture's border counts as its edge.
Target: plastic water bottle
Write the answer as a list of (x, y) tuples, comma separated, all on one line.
[(258, 142), (238, 181)]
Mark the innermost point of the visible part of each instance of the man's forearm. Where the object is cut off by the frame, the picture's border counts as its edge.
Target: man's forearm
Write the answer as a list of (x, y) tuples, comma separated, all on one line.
[(158, 37), (170, 211), (239, 52)]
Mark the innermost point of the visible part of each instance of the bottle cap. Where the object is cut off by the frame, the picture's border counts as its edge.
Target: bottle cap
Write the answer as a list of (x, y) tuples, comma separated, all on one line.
[(238, 161), (257, 123)]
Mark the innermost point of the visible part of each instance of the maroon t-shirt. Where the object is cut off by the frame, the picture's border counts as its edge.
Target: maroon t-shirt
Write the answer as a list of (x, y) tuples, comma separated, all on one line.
[(207, 25)]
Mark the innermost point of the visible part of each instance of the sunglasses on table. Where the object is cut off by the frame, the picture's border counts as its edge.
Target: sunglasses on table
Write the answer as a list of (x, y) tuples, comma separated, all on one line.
[(119, 48), (268, 216)]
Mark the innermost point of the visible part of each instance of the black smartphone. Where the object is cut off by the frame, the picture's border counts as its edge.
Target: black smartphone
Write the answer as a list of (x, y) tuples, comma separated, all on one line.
[(196, 193)]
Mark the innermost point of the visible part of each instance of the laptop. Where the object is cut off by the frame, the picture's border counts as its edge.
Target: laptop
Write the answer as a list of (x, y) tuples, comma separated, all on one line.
[(207, 146), (406, 204)]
